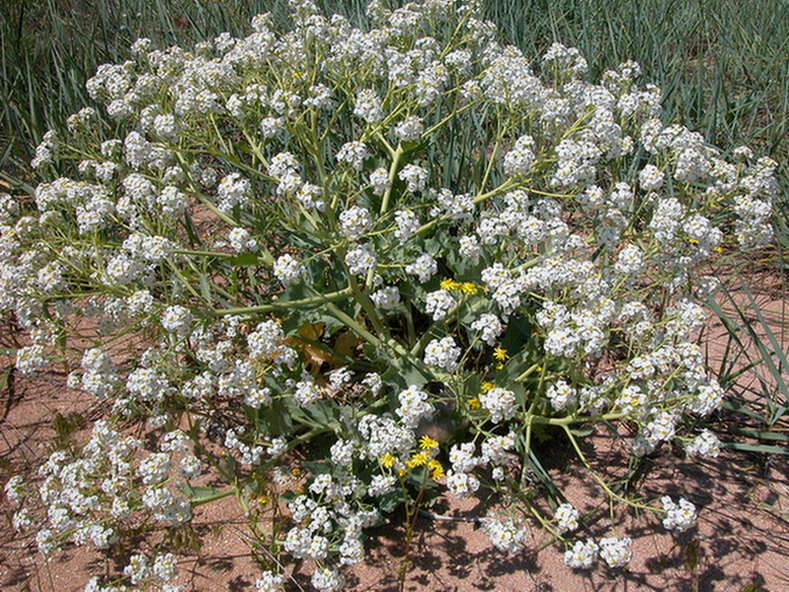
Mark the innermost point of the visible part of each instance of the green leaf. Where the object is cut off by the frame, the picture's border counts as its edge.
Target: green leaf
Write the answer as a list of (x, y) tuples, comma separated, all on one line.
[(274, 419), (390, 502), (324, 413), (402, 373), (317, 468), (761, 434), (760, 448), (534, 464), (582, 432), (204, 494), (244, 259)]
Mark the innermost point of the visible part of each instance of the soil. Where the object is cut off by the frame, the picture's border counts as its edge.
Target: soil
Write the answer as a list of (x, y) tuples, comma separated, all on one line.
[(741, 542)]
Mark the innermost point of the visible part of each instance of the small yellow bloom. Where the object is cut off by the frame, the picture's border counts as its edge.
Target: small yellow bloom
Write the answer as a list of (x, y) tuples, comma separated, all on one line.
[(401, 472), (474, 403), (427, 443), (417, 460), (487, 386), (387, 460), (436, 469), (295, 471), (500, 354), (449, 284), (471, 288)]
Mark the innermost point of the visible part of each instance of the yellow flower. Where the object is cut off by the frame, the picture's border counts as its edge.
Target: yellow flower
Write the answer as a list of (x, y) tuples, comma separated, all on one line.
[(465, 287), (500, 354), (418, 459), (427, 443), (474, 403), (436, 469), (471, 288), (387, 460), (487, 386), (450, 285), (295, 471)]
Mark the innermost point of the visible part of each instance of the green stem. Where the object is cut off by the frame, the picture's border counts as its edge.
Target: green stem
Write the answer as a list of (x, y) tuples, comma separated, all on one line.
[(611, 493), (392, 174), (287, 304)]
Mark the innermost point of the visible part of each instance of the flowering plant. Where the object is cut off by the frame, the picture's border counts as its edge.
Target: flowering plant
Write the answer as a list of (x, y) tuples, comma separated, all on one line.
[(334, 240)]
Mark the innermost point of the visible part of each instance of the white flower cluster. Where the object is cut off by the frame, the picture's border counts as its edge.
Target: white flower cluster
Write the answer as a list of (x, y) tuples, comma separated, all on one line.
[(500, 403), (424, 267), (438, 303), (680, 516), (705, 444), (614, 551), (505, 535), (355, 221), (287, 269), (414, 406), (490, 326), (566, 518), (442, 353)]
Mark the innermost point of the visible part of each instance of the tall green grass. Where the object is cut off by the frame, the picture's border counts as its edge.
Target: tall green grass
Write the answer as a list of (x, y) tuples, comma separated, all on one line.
[(723, 66)]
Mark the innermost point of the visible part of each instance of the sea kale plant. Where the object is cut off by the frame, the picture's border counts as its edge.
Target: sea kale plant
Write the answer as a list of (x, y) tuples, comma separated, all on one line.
[(361, 270)]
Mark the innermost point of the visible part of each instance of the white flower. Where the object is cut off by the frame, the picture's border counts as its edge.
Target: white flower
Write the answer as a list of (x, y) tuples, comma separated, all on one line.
[(490, 326), (327, 580), (616, 552), (379, 180), (650, 178), (409, 129), (288, 269), (442, 353), (407, 224), (177, 319), (680, 516), (439, 303), (499, 402), (386, 298), (270, 582), (353, 153), (368, 106), (414, 405), (355, 221), (504, 535), (705, 444), (306, 391), (566, 518), (462, 457), (582, 555), (360, 259), (561, 394), (461, 484), (414, 176), (518, 161), (241, 241), (424, 267)]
